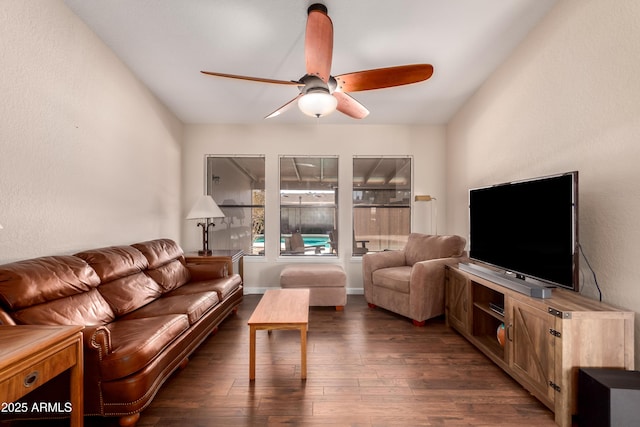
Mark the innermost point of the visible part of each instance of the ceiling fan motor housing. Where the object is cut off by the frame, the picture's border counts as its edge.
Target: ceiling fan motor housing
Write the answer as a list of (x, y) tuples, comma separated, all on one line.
[(317, 6), (314, 83)]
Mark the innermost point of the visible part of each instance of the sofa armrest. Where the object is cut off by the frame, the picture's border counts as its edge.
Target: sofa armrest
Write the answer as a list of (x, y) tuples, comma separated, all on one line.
[(208, 271), (5, 319), (97, 338)]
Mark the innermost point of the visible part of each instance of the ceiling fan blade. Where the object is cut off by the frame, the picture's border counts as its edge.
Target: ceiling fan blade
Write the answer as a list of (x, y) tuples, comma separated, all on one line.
[(384, 77), (253, 79), (318, 42), (284, 108), (349, 106)]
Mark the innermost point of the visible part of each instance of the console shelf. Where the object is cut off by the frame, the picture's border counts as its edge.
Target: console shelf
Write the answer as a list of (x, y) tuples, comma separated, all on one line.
[(543, 337), (487, 309)]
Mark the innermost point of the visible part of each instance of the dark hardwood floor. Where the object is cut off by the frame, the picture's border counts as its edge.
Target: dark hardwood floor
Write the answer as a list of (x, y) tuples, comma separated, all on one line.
[(365, 368)]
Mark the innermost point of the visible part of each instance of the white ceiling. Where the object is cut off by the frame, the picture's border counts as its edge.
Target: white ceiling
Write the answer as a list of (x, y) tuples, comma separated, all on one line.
[(167, 42)]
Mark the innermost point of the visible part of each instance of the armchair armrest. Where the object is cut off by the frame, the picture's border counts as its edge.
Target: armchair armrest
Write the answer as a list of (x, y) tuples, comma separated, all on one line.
[(375, 261), (426, 287)]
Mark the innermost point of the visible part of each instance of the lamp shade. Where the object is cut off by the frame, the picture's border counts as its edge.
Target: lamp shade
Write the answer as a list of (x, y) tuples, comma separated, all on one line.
[(317, 103), (205, 207)]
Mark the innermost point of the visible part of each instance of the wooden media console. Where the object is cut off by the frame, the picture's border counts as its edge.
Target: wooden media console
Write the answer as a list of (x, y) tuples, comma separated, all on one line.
[(546, 340)]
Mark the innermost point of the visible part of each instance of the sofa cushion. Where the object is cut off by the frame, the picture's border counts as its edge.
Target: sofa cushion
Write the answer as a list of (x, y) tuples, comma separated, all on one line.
[(394, 278), (421, 247), (312, 276), (159, 252), (88, 308), (114, 262), (136, 342), (129, 293), (194, 306), (170, 276), (223, 287), (38, 280)]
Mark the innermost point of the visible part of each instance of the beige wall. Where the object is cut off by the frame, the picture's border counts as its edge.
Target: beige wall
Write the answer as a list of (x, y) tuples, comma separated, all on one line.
[(426, 144), (567, 99), (88, 157)]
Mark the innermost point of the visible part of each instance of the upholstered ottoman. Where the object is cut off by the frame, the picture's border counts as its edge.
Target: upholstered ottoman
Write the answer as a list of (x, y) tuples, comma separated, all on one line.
[(326, 283)]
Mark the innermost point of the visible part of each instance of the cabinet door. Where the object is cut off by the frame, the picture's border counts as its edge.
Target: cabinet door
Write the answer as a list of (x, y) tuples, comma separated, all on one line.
[(457, 301), (531, 349)]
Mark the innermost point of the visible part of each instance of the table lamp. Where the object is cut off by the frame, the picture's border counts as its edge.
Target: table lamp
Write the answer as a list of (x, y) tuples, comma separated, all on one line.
[(205, 209)]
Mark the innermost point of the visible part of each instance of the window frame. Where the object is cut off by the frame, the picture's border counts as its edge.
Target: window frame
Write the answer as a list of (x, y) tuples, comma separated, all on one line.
[(236, 210), (360, 241), (310, 248)]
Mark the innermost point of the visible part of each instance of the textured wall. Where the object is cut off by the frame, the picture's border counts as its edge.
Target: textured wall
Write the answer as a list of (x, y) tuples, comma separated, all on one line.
[(88, 157), (425, 143), (567, 99)]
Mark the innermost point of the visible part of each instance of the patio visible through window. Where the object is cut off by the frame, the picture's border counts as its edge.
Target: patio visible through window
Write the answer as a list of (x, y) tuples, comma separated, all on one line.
[(237, 185), (308, 205), (381, 203)]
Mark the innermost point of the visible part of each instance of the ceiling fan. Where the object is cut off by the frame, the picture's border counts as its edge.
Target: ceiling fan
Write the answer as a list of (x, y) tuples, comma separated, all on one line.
[(320, 92)]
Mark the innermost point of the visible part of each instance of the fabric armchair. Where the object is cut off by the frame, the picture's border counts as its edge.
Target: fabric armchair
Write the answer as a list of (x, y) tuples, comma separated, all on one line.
[(410, 282)]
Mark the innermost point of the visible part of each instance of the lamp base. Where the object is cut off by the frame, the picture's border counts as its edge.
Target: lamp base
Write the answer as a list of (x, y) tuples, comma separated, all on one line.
[(205, 252)]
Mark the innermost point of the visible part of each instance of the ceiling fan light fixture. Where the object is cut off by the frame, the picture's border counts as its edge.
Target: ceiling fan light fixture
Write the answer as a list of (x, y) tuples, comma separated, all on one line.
[(317, 102)]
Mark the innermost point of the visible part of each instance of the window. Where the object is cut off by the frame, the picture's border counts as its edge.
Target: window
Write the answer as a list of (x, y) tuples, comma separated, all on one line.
[(237, 185), (308, 205), (381, 203)]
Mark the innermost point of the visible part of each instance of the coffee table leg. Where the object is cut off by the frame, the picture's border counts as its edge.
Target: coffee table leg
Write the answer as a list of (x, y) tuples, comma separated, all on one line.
[(252, 353), (303, 352)]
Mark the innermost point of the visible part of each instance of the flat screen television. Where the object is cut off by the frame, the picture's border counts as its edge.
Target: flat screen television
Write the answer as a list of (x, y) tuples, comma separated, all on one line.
[(528, 228)]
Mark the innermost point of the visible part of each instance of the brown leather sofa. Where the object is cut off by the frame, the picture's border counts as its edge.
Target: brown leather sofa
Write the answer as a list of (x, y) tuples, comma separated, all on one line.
[(144, 310), (410, 282)]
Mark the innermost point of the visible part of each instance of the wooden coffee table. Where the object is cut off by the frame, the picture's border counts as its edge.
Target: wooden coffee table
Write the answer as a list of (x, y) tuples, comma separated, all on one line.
[(280, 309)]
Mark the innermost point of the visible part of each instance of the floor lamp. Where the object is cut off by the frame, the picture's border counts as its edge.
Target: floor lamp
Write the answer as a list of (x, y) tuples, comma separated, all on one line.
[(434, 209), (205, 209)]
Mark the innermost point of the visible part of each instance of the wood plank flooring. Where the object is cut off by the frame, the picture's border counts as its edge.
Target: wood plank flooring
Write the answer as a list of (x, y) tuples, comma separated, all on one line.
[(365, 368)]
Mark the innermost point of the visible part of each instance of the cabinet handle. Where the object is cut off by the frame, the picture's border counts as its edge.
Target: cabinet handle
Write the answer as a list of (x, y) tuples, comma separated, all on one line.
[(31, 379), (509, 332)]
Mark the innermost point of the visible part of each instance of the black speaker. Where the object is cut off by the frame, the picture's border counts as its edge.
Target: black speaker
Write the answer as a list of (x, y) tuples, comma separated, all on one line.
[(608, 397)]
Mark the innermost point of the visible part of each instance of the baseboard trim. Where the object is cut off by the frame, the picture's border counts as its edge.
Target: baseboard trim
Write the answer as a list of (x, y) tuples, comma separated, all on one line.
[(256, 290)]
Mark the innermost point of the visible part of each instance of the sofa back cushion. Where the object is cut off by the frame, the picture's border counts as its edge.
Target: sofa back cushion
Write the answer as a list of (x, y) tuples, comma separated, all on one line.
[(87, 308), (170, 276), (159, 252), (421, 247), (129, 293), (39, 280), (166, 265), (55, 290), (124, 285), (114, 262)]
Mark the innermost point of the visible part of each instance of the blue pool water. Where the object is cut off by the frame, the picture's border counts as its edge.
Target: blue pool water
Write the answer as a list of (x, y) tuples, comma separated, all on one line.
[(309, 240)]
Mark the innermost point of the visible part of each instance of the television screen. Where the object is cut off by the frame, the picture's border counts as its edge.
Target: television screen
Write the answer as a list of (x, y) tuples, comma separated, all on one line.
[(528, 228)]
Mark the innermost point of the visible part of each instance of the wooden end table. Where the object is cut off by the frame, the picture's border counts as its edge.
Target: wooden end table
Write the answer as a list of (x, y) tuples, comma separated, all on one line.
[(280, 309), (31, 355), (229, 256)]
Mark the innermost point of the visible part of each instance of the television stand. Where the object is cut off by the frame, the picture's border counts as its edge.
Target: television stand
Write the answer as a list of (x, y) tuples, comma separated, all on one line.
[(545, 341), (514, 283)]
